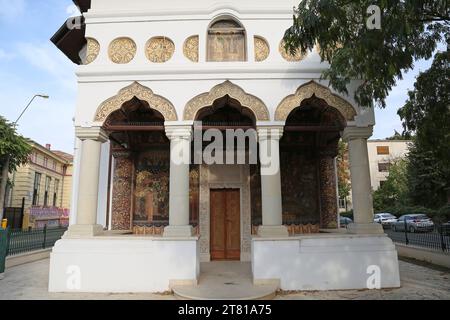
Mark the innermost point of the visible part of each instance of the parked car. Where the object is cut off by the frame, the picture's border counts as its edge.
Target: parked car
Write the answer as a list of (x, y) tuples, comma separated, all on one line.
[(386, 219), (344, 221), (413, 223)]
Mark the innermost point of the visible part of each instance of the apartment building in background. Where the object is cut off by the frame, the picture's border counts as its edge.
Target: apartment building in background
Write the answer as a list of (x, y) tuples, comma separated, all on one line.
[(40, 190)]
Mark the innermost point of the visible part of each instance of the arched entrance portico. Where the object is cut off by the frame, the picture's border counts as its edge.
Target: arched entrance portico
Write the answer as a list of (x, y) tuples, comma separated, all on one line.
[(224, 216)]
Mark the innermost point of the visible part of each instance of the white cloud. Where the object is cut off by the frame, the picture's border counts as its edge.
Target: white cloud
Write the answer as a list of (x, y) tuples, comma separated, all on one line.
[(48, 59), (11, 9), (73, 11)]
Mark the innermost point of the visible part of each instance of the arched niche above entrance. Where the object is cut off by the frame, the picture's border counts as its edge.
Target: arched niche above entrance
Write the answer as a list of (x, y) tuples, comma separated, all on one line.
[(309, 90), (141, 92), (227, 88)]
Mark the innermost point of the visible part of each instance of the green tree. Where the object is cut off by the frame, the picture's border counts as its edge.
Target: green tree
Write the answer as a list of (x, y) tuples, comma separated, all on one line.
[(400, 136), (427, 115), (428, 180), (343, 174), (410, 30), (14, 151), (394, 191)]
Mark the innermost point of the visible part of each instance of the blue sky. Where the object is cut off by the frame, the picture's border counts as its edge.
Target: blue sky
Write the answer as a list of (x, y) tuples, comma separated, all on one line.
[(30, 64)]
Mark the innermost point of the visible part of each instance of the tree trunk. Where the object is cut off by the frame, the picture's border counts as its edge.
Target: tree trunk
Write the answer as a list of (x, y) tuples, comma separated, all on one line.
[(4, 182)]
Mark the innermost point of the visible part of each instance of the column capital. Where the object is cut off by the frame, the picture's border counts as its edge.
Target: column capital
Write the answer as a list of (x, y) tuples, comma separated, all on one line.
[(179, 131), (267, 132), (91, 133), (354, 133)]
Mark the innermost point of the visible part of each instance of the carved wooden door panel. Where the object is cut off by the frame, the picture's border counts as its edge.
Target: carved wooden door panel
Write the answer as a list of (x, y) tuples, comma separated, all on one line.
[(225, 224)]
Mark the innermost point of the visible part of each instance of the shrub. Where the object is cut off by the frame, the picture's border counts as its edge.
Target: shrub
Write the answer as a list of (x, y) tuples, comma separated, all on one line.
[(347, 214), (443, 214)]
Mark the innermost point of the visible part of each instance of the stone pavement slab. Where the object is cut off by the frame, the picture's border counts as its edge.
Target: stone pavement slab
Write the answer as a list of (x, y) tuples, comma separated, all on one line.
[(30, 281)]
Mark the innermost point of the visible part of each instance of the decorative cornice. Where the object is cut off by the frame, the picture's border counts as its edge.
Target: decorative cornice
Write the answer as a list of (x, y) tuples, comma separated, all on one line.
[(306, 91), (298, 56), (233, 91), (92, 50), (122, 50), (355, 133), (141, 92), (190, 48), (262, 49), (159, 49)]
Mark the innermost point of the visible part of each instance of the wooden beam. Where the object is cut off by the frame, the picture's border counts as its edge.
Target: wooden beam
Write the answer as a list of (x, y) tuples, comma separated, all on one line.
[(116, 128), (313, 128), (246, 127)]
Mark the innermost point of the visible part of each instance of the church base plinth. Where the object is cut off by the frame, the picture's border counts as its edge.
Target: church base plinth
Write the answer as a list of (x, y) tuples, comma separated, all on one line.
[(178, 231), (83, 231), (327, 262), (365, 228), (122, 265), (273, 231)]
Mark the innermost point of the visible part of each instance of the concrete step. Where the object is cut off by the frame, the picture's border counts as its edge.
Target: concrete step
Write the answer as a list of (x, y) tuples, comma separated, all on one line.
[(225, 281)]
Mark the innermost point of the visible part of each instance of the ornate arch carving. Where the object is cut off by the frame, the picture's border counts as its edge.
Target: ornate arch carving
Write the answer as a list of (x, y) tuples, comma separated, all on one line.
[(141, 92), (306, 91), (205, 100)]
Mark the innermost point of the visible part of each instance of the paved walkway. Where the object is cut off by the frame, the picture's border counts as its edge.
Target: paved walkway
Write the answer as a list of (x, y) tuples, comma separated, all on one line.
[(30, 281)]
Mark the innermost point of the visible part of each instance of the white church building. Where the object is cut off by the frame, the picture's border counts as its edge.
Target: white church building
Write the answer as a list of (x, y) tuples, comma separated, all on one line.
[(149, 73)]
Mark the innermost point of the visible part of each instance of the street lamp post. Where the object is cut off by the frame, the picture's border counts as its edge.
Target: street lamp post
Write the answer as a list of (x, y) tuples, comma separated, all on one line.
[(5, 167), (29, 103)]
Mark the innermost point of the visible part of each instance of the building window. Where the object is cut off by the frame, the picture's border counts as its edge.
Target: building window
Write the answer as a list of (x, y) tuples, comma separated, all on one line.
[(45, 162), (36, 188), (54, 165), (34, 157), (48, 180), (55, 192), (226, 41), (383, 167), (382, 182), (383, 150)]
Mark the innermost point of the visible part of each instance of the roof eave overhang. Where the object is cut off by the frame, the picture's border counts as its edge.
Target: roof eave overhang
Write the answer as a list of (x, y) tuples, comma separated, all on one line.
[(71, 40), (83, 5)]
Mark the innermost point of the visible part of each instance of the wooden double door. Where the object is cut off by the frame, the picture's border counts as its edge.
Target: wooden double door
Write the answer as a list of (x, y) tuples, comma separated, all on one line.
[(225, 229)]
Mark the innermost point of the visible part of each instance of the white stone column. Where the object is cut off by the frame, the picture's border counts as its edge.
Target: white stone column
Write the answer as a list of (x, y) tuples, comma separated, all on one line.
[(86, 221), (271, 202), (360, 178), (180, 158)]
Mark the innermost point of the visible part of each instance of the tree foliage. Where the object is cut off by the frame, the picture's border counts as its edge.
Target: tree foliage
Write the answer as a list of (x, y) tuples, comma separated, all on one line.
[(428, 180), (410, 30), (400, 136), (394, 191), (427, 115), (12, 146), (343, 173), (427, 111)]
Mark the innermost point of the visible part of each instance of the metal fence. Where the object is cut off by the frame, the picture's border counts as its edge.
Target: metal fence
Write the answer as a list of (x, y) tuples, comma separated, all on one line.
[(21, 241), (436, 239)]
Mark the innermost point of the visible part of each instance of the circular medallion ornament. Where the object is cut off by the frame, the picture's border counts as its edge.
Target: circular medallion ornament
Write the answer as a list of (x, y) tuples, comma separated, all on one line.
[(159, 49), (92, 51), (262, 49), (190, 48), (298, 56), (122, 50)]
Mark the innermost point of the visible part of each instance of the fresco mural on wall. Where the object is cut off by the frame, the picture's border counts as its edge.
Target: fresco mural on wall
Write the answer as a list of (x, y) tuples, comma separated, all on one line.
[(299, 187), (151, 193)]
